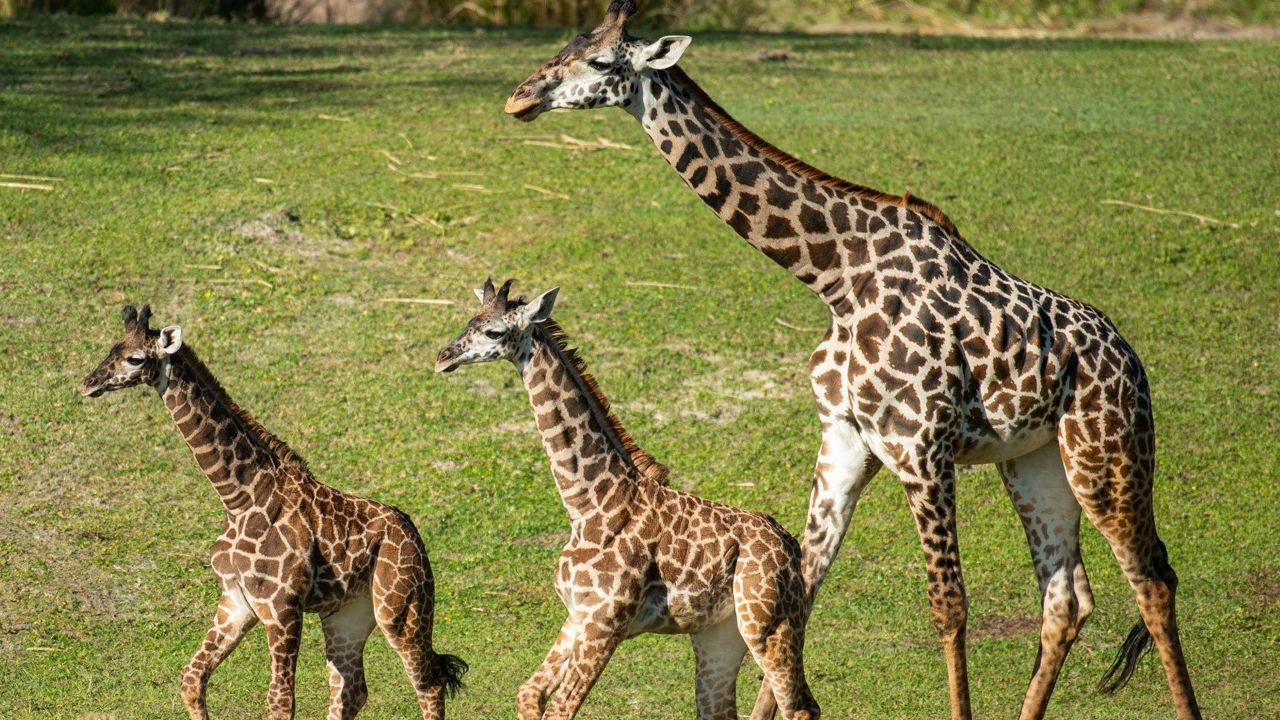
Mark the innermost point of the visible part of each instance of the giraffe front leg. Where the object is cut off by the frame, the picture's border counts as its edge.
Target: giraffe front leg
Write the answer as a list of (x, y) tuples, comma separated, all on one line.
[(531, 700), (845, 466), (719, 650), (1037, 485), (284, 635), (345, 633), (592, 649), (931, 496), (233, 620)]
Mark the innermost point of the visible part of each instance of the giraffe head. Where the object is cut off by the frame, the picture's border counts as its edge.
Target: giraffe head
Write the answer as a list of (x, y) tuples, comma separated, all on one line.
[(601, 68), (502, 330), (140, 357)]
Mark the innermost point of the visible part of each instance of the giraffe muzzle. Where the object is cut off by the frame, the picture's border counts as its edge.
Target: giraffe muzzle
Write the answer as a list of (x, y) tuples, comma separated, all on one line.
[(446, 362), (523, 106)]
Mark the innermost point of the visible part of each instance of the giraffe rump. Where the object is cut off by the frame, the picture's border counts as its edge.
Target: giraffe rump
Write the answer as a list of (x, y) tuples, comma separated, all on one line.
[(801, 167), (278, 447), (645, 463)]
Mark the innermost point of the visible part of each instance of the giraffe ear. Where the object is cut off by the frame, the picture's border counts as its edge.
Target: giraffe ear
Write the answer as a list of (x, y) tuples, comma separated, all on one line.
[(539, 308), (479, 293), (665, 52), (170, 340)]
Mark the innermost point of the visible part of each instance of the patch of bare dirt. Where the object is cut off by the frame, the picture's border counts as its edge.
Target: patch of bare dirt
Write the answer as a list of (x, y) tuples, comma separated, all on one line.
[(1003, 626), (723, 394), (281, 231), (1264, 588), (272, 227)]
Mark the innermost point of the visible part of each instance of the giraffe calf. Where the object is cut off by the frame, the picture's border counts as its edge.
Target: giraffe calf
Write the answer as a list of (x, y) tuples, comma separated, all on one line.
[(641, 557), (289, 544)]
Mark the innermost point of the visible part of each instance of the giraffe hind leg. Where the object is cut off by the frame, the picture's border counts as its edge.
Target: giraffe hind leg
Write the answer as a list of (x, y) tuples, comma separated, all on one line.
[(1109, 458), (1037, 486), (771, 610), (403, 591)]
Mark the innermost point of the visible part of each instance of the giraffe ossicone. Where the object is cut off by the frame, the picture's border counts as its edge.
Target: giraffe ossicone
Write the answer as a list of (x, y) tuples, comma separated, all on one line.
[(641, 557), (290, 544), (934, 356)]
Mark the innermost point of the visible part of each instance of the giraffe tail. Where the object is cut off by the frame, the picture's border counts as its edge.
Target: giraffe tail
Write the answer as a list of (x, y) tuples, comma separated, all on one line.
[(447, 672), (1134, 647)]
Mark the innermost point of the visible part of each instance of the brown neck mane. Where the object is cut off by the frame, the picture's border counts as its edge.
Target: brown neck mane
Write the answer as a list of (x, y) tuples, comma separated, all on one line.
[(557, 341), (799, 166), (200, 374)]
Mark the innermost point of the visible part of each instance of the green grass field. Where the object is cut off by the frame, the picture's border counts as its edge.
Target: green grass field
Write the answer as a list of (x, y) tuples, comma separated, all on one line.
[(270, 188)]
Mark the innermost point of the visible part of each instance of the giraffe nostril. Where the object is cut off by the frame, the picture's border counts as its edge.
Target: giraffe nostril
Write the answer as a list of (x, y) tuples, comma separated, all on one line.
[(88, 388), (445, 360), (524, 103)]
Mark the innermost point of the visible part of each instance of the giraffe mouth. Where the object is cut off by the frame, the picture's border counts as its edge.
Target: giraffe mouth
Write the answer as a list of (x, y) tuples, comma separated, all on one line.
[(446, 364), (524, 109), (89, 391)]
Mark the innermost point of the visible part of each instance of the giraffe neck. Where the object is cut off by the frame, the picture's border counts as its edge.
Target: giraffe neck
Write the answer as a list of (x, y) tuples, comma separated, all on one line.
[(232, 450), (813, 224), (592, 459)]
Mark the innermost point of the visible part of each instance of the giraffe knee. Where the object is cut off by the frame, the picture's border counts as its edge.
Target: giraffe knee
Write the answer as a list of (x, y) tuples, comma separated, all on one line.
[(1067, 605), (1163, 569), (1154, 596), (191, 688), (1084, 606), (530, 700), (359, 696), (950, 615)]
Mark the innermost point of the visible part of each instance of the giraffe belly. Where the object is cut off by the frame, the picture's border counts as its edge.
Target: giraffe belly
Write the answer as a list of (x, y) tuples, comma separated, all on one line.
[(998, 449), (669, 611)]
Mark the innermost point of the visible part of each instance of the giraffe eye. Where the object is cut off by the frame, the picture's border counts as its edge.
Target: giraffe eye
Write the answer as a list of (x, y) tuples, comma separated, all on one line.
[(134, 360), (601, 64), (494, 333)]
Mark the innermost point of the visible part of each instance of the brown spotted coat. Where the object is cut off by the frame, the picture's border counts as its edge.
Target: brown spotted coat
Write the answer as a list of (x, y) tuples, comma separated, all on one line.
[(934, 357), (641, 557), (289, 544)]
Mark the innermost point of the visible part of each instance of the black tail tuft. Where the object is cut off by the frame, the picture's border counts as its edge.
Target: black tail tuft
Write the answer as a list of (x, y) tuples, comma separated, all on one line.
[(1134, 647), (447, 670)]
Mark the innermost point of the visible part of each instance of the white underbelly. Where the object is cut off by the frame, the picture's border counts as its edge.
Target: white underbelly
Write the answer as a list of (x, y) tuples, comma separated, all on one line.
[(669, 610), (998, 449)]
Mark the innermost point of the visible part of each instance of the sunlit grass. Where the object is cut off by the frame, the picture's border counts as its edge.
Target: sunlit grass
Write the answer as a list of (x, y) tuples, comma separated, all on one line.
[(270, 188)]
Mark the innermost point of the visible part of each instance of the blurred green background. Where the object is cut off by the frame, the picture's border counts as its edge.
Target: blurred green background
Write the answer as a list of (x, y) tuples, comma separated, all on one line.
[(1140, 16)]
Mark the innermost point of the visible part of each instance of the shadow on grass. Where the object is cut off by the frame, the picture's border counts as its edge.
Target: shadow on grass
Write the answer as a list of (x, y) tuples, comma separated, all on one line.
[(99, 85), (92, 85)]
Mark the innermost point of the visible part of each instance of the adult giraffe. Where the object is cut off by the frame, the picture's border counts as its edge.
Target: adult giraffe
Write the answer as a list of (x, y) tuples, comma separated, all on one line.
[(934, 356)]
